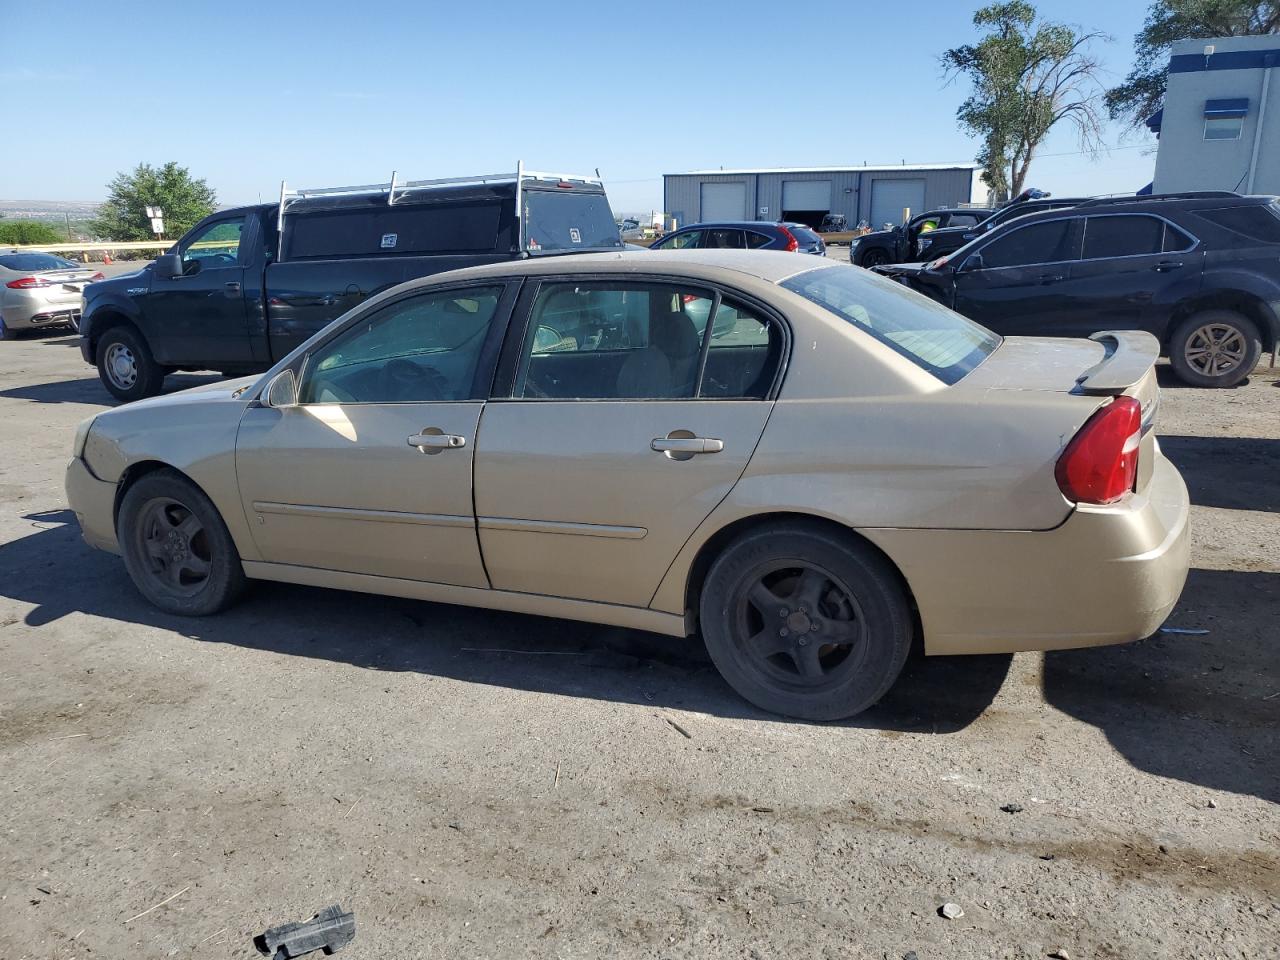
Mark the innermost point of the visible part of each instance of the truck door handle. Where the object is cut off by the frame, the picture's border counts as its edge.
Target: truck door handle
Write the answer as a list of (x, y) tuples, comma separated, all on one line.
[(1164, 266), (232, 287), (687, 445), (434, 440)]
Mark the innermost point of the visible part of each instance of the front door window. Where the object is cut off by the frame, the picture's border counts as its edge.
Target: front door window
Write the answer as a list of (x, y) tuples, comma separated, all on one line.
[(217, 245)]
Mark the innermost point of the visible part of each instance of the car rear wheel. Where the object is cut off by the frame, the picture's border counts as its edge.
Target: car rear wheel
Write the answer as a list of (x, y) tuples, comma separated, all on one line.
[(126, 366), (873, 258), (804, 622), (176, 548), (1215, 348)]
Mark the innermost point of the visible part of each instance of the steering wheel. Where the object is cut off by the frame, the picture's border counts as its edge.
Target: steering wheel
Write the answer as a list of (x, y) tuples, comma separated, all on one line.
[(409, 381)]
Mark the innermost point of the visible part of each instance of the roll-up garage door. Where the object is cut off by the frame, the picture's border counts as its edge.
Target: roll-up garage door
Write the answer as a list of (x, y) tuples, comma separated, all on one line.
[(807, 201), (888, 197), (723, 201)]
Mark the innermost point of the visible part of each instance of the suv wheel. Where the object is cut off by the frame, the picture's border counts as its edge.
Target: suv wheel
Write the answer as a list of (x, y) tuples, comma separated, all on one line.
[(176, 548), (806, 623), (873, 258), (126, 366), (1215, 348)]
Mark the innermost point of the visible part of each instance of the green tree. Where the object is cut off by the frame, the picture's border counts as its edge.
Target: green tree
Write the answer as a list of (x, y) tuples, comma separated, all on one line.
[(17, 232), (124, 217), (1027, 76), (1142, 92)]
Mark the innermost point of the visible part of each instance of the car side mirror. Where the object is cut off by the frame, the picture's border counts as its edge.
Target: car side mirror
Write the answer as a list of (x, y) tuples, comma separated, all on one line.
[(282, 391), (974, 262), (168, 266)]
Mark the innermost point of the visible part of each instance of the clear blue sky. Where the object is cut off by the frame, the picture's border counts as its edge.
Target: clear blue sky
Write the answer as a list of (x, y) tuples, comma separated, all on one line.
[(318, 92)]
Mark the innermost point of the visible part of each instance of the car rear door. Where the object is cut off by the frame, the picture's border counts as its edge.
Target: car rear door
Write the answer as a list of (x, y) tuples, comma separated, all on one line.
[(1127, 266), (1014, 283), (371, 472), (617, 428)]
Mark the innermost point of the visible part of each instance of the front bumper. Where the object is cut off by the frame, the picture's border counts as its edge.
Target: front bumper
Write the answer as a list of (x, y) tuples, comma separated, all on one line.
[(94, 504), (1107, 574)]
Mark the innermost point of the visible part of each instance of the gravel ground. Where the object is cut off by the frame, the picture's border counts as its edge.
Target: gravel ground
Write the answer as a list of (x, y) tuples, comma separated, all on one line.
[(479, 784)]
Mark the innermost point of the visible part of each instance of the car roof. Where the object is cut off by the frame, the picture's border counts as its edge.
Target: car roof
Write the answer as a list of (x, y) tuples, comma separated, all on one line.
[(709, 224), (770, 266)]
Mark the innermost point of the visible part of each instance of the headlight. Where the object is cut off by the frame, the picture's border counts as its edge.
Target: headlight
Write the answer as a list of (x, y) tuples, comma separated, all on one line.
[(82, 435)]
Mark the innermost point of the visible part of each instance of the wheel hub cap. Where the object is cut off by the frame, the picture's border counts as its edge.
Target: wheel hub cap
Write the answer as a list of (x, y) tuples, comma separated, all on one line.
[(799, 622)]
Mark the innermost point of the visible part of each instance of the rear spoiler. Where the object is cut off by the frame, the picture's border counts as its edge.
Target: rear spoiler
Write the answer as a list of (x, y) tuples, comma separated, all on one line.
[(1129, 355)]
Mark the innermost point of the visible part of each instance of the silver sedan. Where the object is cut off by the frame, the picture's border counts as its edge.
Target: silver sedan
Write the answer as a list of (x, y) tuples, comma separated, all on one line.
[(40, 290)]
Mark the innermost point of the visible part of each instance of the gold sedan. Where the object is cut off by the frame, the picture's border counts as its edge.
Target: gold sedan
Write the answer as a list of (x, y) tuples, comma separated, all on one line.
[(806, 464)]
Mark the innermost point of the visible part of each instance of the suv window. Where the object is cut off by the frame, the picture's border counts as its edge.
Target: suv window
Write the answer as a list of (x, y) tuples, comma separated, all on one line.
[(1122, 236), (925, 332), (963, 220), (418, 350), (724, 240), (456, 227), (757, 240), (680, 241), (1048, 242), (1259, 221), (217, 245)]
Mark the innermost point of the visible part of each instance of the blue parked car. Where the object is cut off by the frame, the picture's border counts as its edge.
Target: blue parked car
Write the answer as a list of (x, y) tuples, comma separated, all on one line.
[(744, 235)]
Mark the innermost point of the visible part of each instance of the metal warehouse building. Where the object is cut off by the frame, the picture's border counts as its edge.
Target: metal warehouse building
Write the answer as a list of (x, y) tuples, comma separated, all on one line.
[(806, 194)]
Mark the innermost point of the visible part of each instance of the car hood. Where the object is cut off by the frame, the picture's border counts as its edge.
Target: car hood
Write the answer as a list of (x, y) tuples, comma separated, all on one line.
[(224, 391)]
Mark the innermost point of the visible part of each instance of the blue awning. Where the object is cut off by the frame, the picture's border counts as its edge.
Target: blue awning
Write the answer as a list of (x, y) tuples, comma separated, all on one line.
[(1146, 191), (1153, 122), (1225, 109)]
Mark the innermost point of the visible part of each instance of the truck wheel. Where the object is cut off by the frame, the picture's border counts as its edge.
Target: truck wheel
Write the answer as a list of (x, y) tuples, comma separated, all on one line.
[(873, 258), (176, 548), (804, 622), (126, 366), (1215, 348)]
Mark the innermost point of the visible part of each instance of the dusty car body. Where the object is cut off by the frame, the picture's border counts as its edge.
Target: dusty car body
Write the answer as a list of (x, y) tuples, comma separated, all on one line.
[(882, 472)]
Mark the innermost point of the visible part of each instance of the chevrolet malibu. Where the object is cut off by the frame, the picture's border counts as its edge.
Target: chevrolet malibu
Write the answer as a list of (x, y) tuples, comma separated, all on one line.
[(806, 464)]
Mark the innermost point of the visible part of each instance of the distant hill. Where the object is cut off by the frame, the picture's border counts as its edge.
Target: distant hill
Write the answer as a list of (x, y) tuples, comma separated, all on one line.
[(57, 210)]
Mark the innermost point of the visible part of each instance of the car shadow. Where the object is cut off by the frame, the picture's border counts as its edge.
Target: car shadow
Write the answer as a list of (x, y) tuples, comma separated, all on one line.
[(1236, 473), (90, 389), (934, 695), (1201, 708)]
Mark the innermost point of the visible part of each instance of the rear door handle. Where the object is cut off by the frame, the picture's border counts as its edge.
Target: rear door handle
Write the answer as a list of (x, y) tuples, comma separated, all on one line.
[(1052, 277), (1164, 266), (433, 440), (687, 445)]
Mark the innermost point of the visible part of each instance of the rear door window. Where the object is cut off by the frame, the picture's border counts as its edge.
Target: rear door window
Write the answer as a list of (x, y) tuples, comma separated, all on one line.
[(1122, 236), (724, 240), (1048, 242), (559, 220)]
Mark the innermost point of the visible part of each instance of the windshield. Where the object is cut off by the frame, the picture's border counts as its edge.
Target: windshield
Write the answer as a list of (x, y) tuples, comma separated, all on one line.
[(926, 333), (555, 221), (35, 262)]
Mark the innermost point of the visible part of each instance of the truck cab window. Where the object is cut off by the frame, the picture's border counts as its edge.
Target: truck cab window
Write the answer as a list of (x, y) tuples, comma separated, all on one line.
[(217, 245)]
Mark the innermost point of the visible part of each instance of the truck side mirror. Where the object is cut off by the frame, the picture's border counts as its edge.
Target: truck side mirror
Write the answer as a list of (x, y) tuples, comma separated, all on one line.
[(168, 266)]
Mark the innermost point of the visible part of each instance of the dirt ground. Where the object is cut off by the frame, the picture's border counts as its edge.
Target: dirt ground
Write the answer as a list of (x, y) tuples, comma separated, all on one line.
[(478, 784)]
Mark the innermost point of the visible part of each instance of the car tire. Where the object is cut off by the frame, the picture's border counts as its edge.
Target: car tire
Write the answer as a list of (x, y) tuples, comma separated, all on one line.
[(873, 258), (126, 366), (176, 547), (1215, 348), (806, 622)]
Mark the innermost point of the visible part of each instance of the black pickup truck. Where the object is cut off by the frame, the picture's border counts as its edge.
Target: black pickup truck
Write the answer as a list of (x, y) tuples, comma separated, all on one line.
[(245, 286)]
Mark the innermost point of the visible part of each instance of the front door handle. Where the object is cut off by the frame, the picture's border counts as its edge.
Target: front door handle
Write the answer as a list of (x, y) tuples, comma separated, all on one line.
[(435, 440), (1164, 266), (232, 287), (687, 445)]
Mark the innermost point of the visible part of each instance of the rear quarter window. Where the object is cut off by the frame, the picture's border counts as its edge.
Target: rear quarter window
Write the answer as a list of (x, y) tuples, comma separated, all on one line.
[(1260, 222)]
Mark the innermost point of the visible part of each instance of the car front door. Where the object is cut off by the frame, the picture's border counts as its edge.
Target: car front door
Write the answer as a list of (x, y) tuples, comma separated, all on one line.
[(1014, 283), (199, 316), (1127, 266), (370, 472), (626, 411)]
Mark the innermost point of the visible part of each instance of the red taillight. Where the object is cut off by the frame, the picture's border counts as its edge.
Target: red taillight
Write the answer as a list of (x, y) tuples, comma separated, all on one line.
[(1100, 464), (563, 185), (27, 283), (97, 276), (792, 244)]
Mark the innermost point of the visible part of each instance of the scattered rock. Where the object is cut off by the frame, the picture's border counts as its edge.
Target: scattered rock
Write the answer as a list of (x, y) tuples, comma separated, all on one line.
[(910, 955), (1047, 856), (1213, 804), (1012, 808), (1060, 954), (951, 911)]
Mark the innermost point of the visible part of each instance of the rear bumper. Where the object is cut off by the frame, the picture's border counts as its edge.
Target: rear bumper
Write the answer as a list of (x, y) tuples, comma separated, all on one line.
[(1106, 575), (94, 504)]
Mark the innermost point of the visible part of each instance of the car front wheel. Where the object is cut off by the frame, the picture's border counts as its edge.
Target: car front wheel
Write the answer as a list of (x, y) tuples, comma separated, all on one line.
[(805, 622), (1215, 348), (176, 548)]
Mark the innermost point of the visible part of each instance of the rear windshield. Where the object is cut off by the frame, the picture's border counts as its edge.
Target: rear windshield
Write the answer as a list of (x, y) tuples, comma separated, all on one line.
[(469, 226), (1259, 222), (560, 220), (35, 262), (804, 234), (926, 333)]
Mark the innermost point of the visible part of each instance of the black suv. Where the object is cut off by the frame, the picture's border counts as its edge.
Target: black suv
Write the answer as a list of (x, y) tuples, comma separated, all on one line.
[(904, 243), (939, 243), (1200, 271)]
